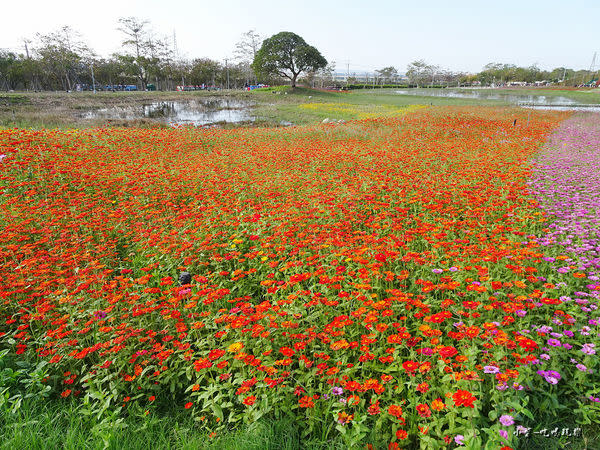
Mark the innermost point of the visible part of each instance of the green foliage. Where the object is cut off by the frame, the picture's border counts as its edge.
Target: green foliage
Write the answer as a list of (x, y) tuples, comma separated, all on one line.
[(204, 71), (62, 53), (505, 73), (9, 68), (20, 380), (63, 425), (388, 74), (287, 55)]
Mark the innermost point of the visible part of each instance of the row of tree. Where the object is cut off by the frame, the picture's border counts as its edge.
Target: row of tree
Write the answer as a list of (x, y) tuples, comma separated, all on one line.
[(496, 73), (61, 61), (420, 73)]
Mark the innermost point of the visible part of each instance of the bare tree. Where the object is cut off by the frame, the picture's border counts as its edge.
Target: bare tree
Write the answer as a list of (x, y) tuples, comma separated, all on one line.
[(141, 47), (245, 51), (322, 77), (248, 45), (136, 31)]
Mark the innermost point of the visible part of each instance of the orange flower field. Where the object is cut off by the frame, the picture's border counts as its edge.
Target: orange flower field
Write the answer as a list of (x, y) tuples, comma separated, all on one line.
[(379, 276)]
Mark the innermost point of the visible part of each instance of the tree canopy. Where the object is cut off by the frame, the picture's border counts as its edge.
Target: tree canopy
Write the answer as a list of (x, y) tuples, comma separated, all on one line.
[(288, 55), (62, 60), (419, 72), (387, 74)]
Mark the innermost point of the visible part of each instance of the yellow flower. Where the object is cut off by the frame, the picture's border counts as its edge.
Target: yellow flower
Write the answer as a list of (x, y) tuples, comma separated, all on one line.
[(235, 347)]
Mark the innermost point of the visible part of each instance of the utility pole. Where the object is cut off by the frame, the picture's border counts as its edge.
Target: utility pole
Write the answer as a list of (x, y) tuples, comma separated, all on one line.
[(93, 79), (347, 71), (175, 51), (25, 42), (34, 77), (593, 65), (227, 69)]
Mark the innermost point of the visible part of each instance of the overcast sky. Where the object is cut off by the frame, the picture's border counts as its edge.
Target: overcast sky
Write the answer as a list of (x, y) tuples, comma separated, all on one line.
[(462, 35)]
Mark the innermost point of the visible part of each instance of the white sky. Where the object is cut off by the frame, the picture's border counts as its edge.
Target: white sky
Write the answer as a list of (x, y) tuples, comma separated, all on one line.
[(463, 35)]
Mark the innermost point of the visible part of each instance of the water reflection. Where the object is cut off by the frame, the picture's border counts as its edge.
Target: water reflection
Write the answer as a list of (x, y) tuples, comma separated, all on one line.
[(490, 94), (176, 113), (587, 108)]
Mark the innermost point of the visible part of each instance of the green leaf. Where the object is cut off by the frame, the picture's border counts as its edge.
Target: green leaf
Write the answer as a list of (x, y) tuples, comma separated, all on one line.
[(217, 410), (527, 413)]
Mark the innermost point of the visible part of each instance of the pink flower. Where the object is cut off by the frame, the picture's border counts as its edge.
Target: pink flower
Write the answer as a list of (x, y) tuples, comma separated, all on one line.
[(506, 420)]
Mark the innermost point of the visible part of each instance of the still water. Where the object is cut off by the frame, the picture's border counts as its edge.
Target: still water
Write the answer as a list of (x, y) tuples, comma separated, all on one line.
[(525, 100), (177, 113), (587, 108)]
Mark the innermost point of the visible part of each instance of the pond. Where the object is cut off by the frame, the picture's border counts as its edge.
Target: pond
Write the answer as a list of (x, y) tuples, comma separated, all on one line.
[(492, 94), (586, 108), (199, 112)]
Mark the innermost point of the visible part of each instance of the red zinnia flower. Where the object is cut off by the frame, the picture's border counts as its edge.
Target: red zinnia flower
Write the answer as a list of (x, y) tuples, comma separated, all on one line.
[(401, 434), (215, 354), (306, 402), (395, 410), (250, 400), (447, 352), (423, 410), (463, 398), (374, 408), (410, 366), (422, 388)]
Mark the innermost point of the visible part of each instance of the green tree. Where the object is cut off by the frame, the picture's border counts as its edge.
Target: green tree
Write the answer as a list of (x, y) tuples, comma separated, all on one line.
[(62, 56), (205, 71), (496, 73), (8, 64), (114, 71), (288, 55), (419, 72), (388, 74)]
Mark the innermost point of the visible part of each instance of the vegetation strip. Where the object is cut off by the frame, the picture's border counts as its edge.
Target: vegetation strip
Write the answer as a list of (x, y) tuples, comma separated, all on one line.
[(378, 281)]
